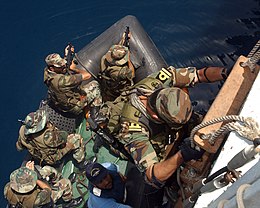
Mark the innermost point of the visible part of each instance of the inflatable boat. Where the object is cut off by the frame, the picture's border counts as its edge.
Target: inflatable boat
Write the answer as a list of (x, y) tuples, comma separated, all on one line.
[(147, 59)]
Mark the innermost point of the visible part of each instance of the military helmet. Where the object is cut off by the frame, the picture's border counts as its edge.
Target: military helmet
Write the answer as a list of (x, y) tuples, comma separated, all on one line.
[(173, 105), (55, 138), (35, 122), (23, 180), (54, 59), (117, 55)]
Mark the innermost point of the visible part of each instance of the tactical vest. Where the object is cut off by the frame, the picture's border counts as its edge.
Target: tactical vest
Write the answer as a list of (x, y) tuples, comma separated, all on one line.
[(137, 120), (39, 147), (160, 134), (26, 200), (65, 100)]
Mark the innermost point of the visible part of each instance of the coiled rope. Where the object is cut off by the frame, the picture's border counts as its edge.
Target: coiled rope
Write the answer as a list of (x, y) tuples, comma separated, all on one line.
[(245, 127)]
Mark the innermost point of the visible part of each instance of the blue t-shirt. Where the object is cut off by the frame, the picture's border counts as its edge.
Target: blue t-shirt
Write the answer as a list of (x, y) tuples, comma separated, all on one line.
[(107, 198)]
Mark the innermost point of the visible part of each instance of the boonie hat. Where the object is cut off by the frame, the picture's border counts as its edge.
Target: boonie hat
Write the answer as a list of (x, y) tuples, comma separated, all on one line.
[(173, 105), (117, 55), (95, 172), (35, 122), (23, 180), (54, 59), (55, 138)]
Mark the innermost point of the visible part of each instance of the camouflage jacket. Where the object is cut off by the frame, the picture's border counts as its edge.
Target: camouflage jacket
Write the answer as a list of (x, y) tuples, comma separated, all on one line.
[(39, 148), (137, 131), (65, 91), (115, 78), (36, 198)]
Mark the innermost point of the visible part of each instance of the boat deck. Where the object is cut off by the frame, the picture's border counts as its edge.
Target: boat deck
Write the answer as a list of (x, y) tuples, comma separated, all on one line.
[(80, 186)]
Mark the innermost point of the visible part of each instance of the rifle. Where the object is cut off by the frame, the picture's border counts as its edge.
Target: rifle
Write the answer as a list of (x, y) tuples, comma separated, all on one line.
[(69, 58), (47, 181), (126, 40), (108, 138)]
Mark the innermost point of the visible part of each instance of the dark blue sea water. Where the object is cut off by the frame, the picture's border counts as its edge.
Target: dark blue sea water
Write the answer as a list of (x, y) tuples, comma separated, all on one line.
[(187, 32)]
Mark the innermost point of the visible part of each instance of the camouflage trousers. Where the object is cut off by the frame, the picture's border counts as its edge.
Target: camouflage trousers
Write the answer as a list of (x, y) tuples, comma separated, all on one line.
[(78, 150), (61, 187), (93, 92), (143, 150)]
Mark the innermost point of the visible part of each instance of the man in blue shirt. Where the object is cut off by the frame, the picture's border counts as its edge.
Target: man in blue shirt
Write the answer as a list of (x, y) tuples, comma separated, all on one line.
[(106, 186)]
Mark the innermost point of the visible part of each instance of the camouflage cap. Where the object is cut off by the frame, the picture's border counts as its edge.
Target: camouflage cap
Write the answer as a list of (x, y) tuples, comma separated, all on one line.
[(55, 138), (117, 55), (35, 122), (54, 59), (95, 172), (173, 105), (23, 180)]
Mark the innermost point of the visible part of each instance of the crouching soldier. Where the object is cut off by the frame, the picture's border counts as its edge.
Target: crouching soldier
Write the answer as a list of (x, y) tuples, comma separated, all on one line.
[(67, 87), (29, 189), (45, 142), (117, 71)]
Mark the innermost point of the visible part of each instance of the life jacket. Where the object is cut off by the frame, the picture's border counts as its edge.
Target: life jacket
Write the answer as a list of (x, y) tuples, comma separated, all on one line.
[(45, 150), (26, 200), (65, 98)]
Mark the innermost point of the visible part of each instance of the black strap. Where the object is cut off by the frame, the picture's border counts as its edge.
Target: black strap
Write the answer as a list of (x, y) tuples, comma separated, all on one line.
[(204, 72)]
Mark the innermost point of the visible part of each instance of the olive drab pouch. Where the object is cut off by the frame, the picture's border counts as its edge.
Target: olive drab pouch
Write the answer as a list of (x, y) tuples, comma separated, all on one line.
[(54, 138), (113, 110)]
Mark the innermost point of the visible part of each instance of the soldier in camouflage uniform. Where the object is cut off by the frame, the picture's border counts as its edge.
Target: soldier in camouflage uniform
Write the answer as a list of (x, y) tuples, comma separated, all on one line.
[(117, 71), (27, 189), (45, 142), (66, 90), (154, 113)]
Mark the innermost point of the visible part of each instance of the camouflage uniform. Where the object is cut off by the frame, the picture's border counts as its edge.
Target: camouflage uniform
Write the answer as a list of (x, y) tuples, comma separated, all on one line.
[(144, 137), (61, 186), (45, 142), (68, 94), (22, 188), (116, 71)]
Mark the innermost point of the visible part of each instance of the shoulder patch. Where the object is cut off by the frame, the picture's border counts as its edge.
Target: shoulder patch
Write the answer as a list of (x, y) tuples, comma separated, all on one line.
[(97, 191)]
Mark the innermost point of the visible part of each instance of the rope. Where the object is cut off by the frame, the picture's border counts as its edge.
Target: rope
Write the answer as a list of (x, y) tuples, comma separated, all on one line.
[(253, 58), (257, 45), (180, 184), (245, 127), (240, 192), (239, 197), (222, 203)]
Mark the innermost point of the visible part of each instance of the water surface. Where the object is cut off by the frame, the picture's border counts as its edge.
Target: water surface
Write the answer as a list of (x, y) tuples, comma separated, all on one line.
[(187, 33)]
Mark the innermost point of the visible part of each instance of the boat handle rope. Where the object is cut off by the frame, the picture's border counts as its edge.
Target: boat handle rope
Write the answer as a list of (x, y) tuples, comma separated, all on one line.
[(245, 127), (253, 58)]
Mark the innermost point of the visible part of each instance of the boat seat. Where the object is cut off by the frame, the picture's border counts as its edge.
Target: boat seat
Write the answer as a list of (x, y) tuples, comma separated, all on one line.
[(62, 121)]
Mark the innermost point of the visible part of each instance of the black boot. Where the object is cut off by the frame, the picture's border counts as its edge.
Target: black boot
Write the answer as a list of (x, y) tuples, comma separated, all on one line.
[(83, 165), (97, 116), (72, 177), (97, 144), (73, 203)]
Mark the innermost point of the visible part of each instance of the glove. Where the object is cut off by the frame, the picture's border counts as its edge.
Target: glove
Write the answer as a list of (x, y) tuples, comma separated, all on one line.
[(188, 153)]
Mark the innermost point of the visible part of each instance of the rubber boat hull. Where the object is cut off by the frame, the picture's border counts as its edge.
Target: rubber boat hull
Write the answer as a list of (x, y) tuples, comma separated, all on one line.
[(144, 54)]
